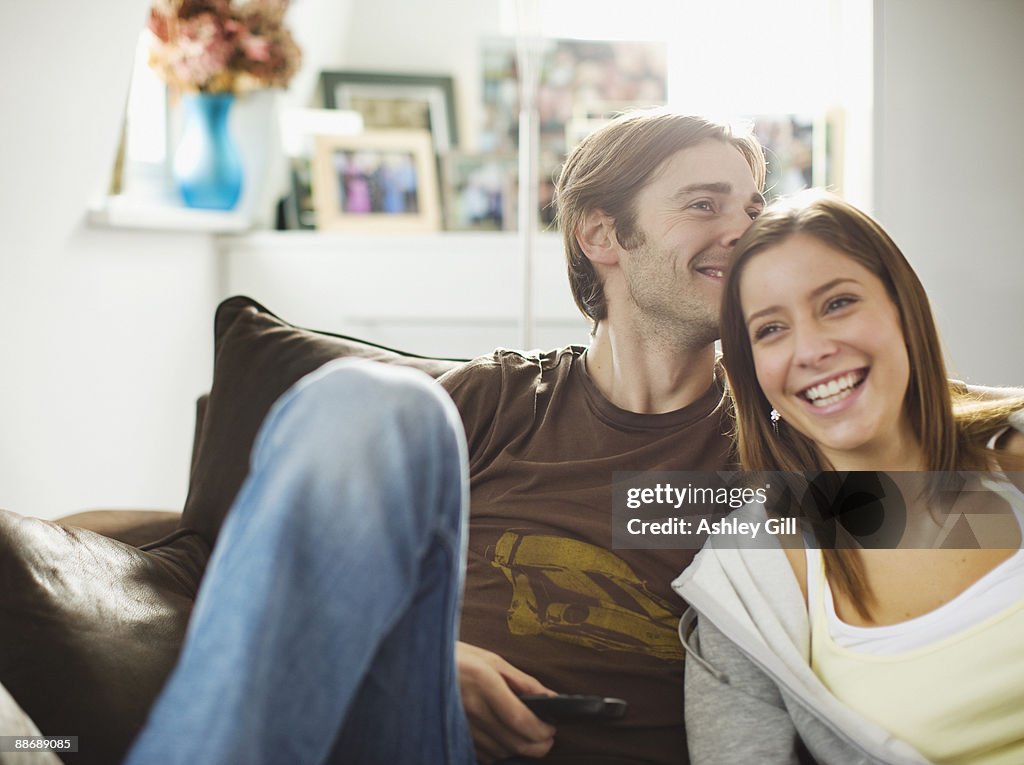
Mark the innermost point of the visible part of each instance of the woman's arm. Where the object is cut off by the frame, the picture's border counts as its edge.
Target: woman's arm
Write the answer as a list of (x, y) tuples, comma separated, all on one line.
[(734, 712)]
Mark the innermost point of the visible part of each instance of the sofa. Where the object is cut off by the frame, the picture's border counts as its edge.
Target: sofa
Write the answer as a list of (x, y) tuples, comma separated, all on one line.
[(94, 606)]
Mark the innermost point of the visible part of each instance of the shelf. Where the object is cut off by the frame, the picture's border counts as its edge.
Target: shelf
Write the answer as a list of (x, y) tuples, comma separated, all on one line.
[(165, 215), (306, 240)]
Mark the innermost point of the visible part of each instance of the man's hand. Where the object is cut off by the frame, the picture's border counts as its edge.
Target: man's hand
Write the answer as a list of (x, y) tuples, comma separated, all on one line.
[(501, 724)]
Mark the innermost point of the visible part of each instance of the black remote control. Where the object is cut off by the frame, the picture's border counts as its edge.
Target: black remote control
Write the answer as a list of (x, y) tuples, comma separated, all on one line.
[(566, 708)]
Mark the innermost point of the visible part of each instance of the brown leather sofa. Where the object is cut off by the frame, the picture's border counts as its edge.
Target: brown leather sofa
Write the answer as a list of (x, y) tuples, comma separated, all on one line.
[(133, 527), (93, 607)]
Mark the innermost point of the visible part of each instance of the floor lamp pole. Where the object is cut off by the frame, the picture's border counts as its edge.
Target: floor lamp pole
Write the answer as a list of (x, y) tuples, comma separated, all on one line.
[(528, 48)]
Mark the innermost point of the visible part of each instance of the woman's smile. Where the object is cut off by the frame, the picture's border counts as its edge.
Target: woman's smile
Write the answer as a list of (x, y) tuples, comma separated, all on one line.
[(838, 389)]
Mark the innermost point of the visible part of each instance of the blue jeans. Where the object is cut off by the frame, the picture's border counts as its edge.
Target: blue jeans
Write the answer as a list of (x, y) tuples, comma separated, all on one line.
[(325, 625)]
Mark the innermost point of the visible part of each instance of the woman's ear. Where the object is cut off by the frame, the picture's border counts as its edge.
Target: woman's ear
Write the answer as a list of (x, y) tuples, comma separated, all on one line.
[(597, 239)]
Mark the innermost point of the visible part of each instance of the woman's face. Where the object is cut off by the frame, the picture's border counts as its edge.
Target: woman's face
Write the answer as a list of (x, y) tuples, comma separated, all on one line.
[(828, 348)]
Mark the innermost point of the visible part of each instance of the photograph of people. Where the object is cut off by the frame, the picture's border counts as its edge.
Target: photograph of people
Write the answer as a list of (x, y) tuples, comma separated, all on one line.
[(852, 655)]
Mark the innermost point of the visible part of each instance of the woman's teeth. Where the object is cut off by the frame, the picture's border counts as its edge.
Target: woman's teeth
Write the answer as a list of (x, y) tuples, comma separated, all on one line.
[(835, 390)]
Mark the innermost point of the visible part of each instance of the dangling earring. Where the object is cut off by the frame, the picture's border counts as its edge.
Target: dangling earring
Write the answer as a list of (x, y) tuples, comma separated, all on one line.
[(774, 416)]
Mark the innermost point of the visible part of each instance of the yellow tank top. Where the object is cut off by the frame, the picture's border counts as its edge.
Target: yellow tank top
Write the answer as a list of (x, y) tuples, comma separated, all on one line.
[(957, 700)]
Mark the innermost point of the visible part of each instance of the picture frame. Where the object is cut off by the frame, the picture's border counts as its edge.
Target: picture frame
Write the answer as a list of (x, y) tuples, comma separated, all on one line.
[(397, 101), (299, 128), (579, 80), (299, 212), (479, 191), (581, 85), (793, 152), (380, 180)]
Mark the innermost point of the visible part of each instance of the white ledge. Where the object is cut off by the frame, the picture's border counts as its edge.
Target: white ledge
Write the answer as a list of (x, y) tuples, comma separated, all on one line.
[(161, 215)]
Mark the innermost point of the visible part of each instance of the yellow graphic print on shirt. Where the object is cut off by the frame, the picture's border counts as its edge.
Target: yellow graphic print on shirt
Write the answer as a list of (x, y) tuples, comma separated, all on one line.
[(578, 593)]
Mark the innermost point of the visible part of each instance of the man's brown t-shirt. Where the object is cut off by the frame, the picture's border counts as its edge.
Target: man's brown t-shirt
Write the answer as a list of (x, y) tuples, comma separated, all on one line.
[(544, 588)]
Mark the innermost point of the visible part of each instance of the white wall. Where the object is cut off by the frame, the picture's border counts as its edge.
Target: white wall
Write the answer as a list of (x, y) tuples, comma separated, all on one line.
[(949, 168), (454, 294), (105, 338)]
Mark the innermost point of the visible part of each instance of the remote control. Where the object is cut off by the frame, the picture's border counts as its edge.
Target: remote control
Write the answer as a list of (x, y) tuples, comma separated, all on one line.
[(566, 708)]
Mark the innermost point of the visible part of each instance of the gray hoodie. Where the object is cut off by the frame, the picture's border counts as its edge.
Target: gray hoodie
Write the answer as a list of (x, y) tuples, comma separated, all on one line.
[(751, 696)]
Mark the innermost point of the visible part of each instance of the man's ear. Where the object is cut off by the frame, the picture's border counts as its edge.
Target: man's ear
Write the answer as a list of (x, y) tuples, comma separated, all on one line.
[(597, 239)]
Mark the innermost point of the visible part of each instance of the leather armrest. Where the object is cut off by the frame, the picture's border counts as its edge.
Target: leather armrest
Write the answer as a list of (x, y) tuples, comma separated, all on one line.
[(133, 527)]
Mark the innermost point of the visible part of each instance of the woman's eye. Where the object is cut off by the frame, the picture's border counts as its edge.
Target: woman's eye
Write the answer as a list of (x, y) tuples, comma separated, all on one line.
[(840, 302), (754, 214), (766, 330), (702, 205)]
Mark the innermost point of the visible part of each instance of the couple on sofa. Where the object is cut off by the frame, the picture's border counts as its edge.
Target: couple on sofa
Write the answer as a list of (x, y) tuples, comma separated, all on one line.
[(397, 570)]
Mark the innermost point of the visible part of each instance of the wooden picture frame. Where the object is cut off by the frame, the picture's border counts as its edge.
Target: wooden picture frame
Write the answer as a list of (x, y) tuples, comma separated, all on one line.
[(299, 128), (383, 180), (397, 101)]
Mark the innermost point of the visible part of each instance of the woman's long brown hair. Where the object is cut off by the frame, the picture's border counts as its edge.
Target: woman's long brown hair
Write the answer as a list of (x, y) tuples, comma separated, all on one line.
[(950, 442)]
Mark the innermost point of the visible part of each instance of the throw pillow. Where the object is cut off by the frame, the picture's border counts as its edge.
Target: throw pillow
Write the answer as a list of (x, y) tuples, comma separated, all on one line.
[(257, 357)]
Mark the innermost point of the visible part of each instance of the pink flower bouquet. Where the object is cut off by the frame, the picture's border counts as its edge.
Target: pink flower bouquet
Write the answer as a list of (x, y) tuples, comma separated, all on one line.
[(222, 46)]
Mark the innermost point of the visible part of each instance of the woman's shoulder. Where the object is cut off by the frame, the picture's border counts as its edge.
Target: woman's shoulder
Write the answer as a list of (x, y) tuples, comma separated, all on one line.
[(793, 545), (745, 543)]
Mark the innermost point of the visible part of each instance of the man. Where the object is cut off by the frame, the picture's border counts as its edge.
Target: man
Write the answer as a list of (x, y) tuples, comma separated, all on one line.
[(323, 630), (650, 208)]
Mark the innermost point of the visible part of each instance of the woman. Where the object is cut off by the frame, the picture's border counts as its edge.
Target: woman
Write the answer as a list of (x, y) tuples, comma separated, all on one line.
[(853, 655)]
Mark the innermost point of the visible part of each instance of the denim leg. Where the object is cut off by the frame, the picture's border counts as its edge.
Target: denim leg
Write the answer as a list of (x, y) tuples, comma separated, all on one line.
[(325, 625)]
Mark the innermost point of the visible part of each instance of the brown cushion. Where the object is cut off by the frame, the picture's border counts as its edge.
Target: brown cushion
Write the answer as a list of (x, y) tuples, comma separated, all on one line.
[(258, 356), (90, 627)]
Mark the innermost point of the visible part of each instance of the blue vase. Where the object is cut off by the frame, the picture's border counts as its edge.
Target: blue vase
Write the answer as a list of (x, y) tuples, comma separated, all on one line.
[(207, 165)]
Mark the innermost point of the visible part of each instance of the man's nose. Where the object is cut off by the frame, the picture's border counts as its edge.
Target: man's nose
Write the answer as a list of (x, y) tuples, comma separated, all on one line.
[(733, 227)]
